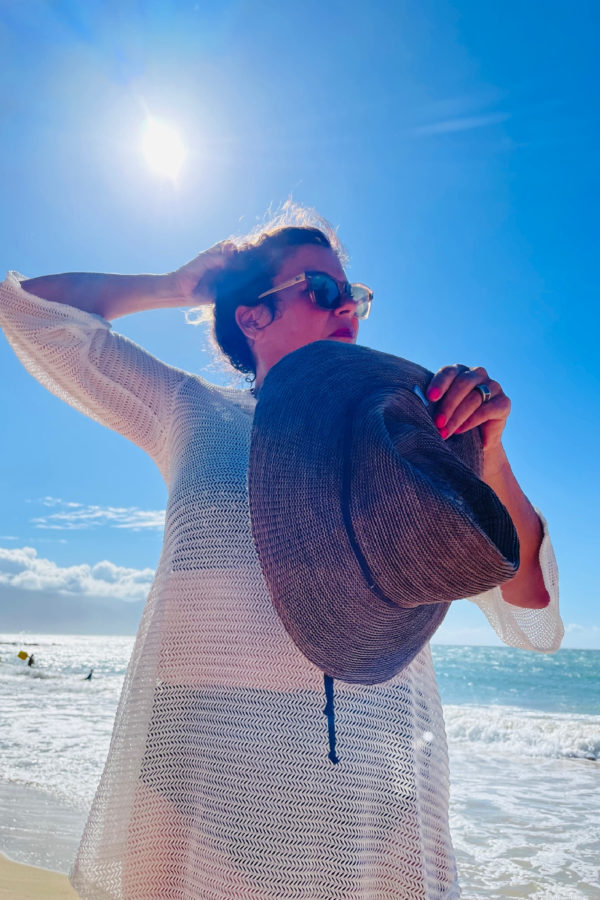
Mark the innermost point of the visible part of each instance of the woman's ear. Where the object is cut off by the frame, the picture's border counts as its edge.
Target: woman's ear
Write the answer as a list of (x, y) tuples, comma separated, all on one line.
[(251, 319)]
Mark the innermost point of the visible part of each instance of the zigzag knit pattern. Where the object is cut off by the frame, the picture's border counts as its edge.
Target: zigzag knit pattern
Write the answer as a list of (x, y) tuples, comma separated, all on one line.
[(218, 783)]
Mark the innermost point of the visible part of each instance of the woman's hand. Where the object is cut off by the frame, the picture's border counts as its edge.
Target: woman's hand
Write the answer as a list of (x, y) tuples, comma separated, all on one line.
[(460, 406), (191, 283)]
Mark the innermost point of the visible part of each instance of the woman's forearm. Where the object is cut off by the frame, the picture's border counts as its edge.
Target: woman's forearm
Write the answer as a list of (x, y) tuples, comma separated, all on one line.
[(527, 588), (109, 296)]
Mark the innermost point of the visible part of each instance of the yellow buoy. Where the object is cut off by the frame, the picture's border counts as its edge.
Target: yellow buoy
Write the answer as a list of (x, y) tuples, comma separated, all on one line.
[(22, 655)]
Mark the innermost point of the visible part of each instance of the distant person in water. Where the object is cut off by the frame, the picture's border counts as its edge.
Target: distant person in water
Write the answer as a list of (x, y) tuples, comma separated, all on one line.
[(89, 677), (30, 660)]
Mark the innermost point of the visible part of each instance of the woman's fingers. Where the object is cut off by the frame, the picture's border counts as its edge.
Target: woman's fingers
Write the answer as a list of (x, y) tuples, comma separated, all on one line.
[(221, 251), (450, 385), (460, 406), (191, 280), (216, 257), (491, 418), (443, 379), (497, 409), (473, 403)]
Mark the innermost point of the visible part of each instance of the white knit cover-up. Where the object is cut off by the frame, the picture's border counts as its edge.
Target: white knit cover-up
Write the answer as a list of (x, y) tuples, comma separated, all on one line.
[(218, 783)]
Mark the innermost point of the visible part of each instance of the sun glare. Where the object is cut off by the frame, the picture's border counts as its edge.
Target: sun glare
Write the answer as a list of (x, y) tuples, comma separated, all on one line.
[(163, 148)]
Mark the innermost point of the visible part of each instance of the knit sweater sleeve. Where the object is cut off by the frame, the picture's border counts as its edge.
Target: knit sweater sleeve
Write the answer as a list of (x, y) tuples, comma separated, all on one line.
[(528, 629), (78, 357)]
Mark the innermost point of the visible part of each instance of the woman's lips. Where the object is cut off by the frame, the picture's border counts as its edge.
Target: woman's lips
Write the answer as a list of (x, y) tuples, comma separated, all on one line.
[(343, 332)]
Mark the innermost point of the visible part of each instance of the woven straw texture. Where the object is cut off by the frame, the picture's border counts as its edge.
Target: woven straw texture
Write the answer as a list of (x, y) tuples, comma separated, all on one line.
[(389, 523), (217, 783)]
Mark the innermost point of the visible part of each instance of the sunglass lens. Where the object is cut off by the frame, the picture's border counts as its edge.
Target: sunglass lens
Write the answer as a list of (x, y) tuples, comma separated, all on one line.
[(362, 298), (325, 291), (326, 294)]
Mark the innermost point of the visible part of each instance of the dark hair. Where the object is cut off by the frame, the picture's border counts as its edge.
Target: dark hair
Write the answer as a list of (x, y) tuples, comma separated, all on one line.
[(252, 269)]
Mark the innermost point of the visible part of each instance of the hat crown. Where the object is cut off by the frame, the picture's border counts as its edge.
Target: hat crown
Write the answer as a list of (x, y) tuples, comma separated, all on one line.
[(367, 525)]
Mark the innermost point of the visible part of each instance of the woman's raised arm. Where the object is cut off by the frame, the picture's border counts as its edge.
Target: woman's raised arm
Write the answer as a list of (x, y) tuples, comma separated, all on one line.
[(112, 296)]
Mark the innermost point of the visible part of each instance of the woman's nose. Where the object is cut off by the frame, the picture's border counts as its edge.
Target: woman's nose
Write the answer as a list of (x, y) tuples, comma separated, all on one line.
[(347, 306)]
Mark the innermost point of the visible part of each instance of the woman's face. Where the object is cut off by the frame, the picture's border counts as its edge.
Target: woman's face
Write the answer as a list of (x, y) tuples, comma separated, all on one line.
[(298, 321)]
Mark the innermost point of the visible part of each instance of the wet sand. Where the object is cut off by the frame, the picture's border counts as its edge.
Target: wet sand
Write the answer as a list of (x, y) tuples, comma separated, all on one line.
[(20, 882)]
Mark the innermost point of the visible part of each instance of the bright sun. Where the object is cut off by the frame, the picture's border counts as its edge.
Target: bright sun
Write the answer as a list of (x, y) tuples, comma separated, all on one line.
[(163, 148)]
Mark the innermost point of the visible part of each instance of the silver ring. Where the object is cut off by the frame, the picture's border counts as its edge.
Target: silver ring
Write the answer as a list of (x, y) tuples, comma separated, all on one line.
[(484, 390)]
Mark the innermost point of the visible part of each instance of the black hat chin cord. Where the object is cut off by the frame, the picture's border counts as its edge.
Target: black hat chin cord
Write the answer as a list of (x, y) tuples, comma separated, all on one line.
[(330, 713)]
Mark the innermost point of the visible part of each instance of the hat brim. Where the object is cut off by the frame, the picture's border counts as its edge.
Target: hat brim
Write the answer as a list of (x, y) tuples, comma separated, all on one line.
[(367, 525)]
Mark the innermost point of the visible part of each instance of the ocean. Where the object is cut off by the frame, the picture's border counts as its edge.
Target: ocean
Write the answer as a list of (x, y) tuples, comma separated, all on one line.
[(523, 735)]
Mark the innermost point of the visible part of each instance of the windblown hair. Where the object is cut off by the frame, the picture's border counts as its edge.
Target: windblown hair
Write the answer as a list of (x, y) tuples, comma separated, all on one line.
[(252, 270)]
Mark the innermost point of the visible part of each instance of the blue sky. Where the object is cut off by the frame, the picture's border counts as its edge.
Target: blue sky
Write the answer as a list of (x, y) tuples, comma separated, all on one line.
[(455, 146)]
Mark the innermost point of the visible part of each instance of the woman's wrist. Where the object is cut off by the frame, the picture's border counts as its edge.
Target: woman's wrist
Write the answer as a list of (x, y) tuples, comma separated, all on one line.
[(122, 295), (495, 463), (162, 291)]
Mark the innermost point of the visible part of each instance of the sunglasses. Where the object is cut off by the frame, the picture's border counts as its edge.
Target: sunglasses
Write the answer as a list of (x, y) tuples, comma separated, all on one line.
[(327, 293)]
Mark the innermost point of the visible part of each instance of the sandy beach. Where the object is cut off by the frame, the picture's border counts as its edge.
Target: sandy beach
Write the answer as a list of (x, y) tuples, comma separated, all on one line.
[(41, 832), (20, 882)]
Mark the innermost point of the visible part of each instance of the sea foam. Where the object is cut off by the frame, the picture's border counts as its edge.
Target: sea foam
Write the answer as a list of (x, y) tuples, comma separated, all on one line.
[(523, 732)]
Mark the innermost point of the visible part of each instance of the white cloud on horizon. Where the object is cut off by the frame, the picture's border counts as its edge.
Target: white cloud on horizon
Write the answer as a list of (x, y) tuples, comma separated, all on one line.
[(23, 568), (581, 637), (577, 637), (72, 516), (575, 628)]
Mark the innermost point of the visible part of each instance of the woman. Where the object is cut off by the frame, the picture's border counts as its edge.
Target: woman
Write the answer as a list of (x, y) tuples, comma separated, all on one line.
[(218, 783)]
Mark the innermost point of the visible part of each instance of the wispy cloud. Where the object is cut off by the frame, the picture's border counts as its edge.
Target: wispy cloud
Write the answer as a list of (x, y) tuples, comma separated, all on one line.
[(575, 628), (460, 123), (47, 540), (23, 568), (580, 636), (72, 516)]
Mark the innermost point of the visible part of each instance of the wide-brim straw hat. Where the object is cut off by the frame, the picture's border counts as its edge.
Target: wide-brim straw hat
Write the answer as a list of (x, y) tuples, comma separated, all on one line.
[(366, 523)]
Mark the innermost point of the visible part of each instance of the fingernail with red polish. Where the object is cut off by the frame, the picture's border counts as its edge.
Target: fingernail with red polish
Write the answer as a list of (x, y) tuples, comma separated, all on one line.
[(444, 433), (440, 421), (434, 393)]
